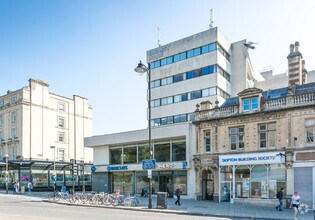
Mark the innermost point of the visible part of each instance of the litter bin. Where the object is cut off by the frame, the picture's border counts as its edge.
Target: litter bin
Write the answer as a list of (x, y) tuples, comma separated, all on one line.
[(161, 200), (22, 189)]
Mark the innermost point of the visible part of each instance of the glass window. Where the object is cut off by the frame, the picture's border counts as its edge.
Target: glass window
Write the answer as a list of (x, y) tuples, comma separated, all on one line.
[(182, 56), (166, 81), (163, 62), (115, 156), (254, 103), (178, 78), (157, 64), (156, 103), (156, 122), (169, 60), (184, 97), (1, 120), (61, 154), (1, 103), (155, 83), (13, 117), (205, 49), (162, 152), (143, 153), (179, 151), (176, 58), (212, 47), (61, 137), (190, 53), (61, 122), (123, 182), (180, 118), (167, 100), (130, 155), (61, 106), (267, 135), (195, 94), (180, 179), (246, 104), (13, 99), (276, 179), (242, 180), (197, 51), (237, 138), (310, 130), (207, 141)]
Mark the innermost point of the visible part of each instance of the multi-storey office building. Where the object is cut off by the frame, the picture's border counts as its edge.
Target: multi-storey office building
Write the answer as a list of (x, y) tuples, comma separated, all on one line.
[(256, 143), (38, 128), (204, 66)]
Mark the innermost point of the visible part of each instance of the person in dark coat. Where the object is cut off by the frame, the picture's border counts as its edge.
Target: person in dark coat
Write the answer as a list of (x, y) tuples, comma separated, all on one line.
[(178, 191), (279, 197)]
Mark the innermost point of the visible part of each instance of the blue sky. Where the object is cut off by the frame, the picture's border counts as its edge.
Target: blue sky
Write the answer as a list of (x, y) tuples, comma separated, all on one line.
[(91, 47)]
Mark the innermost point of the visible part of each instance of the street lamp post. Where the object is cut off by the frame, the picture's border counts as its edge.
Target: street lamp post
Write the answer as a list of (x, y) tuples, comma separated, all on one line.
[(6, 174), (141, 68), (53, 147)]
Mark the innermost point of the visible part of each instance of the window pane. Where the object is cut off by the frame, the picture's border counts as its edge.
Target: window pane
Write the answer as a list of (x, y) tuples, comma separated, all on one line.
[(233, 139), (179, 151), (130, 155), (182, 56), (177, 98), (115, 156), (157, 64), (163, 62), (176, 58), (162, 152), (205, 92), (205, 49), (310, 122), (169, 60), (143, 153), (197, 51), (309, 135), (190, 53), (212, 47), (233, 130)]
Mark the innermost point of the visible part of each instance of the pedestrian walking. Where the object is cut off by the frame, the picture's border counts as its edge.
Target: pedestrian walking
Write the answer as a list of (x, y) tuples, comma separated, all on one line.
[(17, 186), (29, 186), (279, 197), (14, 188), (178, 191), (295, 203)]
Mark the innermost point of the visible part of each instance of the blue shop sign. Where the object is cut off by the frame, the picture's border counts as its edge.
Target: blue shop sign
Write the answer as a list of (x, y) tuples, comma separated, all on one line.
[(93, 168), (116, 168)]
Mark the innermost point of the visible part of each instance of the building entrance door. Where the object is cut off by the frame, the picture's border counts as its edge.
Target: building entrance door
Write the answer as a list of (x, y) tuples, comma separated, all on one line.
[(207, 185), (166, 184), (226, 191)]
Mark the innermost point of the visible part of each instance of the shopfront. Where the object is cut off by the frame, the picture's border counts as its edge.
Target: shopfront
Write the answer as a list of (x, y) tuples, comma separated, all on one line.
[(251, 176), (131, 179)]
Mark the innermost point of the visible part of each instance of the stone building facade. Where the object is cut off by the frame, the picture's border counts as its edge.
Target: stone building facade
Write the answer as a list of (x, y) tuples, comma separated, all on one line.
[(253, 145)]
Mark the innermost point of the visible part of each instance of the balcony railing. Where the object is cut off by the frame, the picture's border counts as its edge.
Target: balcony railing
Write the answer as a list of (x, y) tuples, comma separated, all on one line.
[(272, 104)]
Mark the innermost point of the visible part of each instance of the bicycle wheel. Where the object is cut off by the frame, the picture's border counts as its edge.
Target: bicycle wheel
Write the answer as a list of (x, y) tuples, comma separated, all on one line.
[(83, 198), (127, 202)]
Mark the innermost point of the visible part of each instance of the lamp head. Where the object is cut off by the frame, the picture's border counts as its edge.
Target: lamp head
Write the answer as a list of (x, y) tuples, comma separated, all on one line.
[(141, 68)]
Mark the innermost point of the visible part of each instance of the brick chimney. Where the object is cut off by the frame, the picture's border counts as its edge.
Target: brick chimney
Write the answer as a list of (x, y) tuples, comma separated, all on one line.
[(296, 66)]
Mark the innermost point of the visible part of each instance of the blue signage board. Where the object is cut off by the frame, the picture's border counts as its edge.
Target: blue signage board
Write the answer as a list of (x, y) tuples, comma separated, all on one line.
[(148, 164), (93, 168), (116, 168)]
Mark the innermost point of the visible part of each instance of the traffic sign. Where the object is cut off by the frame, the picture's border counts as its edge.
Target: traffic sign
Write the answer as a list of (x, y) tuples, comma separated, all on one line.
[(148, 164), (93, 168)]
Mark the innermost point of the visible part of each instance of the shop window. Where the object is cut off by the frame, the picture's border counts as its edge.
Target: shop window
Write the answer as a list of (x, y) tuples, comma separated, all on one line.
[(179, 151), (162, 152), (123, 182), (242, 181), (259, 185), (267, 135), (180, 179), (276, 177), (207, 141), (130, 155), (226, 173), (310, 130), (237, 138), (115, 156), (143, 182), (143, 153)]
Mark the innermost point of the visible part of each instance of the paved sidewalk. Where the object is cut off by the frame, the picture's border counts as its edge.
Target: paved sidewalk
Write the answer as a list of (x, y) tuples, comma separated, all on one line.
[(193, 207)]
